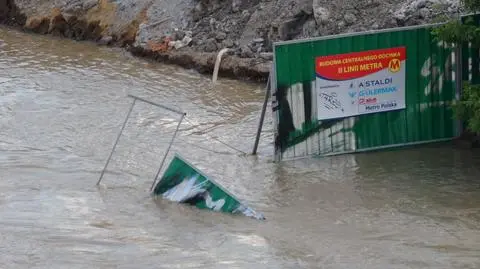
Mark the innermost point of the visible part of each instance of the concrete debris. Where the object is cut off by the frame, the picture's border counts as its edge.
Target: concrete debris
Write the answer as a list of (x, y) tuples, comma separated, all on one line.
[(248, 27)]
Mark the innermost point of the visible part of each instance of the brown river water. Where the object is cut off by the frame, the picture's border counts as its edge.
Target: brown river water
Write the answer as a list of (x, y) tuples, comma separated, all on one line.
[(62, 104)]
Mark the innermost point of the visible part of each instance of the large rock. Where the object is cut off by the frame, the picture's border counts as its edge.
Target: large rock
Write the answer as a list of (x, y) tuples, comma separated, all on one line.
[(236, 5), (349, 18), (421, 11), (210, 45), (321, 14), (162, 19)]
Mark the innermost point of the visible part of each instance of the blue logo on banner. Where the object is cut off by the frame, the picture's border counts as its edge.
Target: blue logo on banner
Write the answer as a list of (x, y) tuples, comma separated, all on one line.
[(373, 92)]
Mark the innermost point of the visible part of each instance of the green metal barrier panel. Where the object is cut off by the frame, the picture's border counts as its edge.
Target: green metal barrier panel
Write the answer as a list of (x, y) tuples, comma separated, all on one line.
[(183, 183), (364, 91), (471, 56)]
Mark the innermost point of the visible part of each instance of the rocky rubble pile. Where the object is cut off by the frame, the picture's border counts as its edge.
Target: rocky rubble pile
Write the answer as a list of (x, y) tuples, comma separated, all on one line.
[(250, 27), (203, 27), (421, 11)]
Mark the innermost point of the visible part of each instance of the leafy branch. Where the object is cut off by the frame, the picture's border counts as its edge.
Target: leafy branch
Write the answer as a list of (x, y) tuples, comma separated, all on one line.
[(463, 32)]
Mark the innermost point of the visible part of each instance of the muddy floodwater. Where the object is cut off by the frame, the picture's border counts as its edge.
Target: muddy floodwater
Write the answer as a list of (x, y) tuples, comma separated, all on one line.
[(62, 104)]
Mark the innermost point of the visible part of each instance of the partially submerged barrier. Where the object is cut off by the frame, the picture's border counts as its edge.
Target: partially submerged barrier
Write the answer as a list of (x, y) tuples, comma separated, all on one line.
[(184, 183), (363, 91)]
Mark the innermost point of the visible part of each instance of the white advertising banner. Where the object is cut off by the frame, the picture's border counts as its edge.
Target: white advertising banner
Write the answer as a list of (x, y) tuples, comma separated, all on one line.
[(360, 83)]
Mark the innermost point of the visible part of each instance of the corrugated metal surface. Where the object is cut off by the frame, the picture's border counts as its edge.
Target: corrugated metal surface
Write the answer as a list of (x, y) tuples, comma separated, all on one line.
[(471, 56), (430, 89), (470, 59)]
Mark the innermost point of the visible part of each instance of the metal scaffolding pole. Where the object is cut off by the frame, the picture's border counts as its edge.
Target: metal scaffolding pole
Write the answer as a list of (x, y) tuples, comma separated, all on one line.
[(166, 153), (135, 98), (116, 142), (262, 116)]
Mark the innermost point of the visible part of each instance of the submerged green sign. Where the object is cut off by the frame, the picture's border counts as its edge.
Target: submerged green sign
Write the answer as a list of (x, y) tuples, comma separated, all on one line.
[(183, 183)]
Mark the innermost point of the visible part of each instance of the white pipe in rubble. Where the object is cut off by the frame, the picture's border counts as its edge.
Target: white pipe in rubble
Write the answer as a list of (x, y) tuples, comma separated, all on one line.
[(217, 64)]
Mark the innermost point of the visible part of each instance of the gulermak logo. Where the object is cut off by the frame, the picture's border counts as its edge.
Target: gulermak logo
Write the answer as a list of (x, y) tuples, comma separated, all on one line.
[(394, 65)]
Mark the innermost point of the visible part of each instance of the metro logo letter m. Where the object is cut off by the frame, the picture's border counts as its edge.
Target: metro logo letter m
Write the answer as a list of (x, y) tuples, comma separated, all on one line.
[(394, 65)]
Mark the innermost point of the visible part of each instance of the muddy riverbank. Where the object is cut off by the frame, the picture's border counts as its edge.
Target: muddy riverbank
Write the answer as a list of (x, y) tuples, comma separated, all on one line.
[(190, 33)]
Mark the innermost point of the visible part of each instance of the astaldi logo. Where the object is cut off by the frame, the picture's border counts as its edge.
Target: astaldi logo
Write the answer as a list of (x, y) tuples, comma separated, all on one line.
[(352, 94)]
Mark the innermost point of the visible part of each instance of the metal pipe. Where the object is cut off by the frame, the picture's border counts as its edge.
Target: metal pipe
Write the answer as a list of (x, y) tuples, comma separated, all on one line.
[(166, 153), (155, 104), (217, 64), (262, 116), (116, 142)]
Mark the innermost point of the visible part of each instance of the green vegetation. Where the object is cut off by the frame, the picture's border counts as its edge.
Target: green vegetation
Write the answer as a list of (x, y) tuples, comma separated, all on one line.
[(455, 31), (468, 108)]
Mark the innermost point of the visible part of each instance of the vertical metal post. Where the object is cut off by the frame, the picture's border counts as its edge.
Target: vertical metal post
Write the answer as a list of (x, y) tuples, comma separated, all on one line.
[(275, 107), (116, 142), (166, 153), (262, 117)]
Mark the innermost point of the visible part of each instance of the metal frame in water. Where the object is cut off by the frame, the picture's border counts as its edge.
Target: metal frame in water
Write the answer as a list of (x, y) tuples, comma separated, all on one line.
[(135, 98)]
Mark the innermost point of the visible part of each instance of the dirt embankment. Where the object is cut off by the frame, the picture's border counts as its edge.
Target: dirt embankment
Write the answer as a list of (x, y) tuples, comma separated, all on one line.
[(190, 33)]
